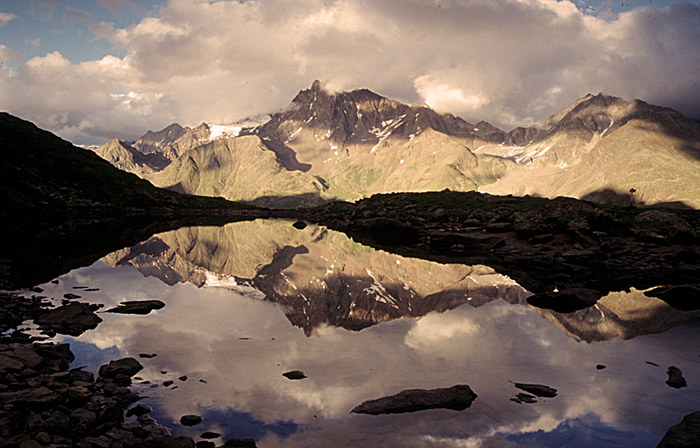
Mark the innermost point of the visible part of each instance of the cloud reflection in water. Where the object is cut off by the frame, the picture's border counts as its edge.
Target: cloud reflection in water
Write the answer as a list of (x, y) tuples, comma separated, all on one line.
[(240, 344)]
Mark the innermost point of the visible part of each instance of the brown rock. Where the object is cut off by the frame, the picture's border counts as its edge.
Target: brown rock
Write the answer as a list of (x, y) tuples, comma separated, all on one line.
[(457, 398), (72, 319), (124, 366), (537, 389)]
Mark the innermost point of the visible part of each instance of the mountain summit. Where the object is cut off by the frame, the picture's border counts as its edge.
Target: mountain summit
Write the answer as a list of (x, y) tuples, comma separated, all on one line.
[(348, 145)]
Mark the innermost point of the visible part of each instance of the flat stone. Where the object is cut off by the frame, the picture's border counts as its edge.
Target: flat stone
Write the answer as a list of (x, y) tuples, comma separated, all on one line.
[(210, 435), (537, 390), (524, 398), (18, 357), (294, 375), (190, 420), (137, 307), (124, 366), (33, 398), (457, 398), (73, 319)]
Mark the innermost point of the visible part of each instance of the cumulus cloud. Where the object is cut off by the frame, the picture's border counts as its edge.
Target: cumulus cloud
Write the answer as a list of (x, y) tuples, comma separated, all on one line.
[(8, 54), (5, 18), (510, 62)]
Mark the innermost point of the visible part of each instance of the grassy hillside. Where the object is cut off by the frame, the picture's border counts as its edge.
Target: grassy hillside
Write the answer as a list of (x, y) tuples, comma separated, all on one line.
[(240, 169)]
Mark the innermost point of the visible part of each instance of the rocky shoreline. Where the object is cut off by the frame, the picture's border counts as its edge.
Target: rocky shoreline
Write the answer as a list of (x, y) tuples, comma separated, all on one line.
[(44, 403)]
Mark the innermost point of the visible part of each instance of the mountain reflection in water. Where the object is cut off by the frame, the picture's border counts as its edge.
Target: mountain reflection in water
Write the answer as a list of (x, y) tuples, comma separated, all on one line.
[(235, 289)]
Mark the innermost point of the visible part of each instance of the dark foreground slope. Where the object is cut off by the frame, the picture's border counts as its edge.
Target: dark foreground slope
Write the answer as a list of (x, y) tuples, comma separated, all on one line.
[(43, 177)]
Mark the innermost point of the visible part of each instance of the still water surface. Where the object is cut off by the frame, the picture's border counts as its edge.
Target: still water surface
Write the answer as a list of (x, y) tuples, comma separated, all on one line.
[(249, 301)]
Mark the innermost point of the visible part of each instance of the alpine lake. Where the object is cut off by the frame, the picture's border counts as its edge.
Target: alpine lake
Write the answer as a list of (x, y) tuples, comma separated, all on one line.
[(248, 302)]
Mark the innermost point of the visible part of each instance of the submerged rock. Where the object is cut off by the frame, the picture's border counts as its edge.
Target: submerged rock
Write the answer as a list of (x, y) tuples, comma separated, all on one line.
[(457, 398), (137, 307), (524, 398), (537, 389)]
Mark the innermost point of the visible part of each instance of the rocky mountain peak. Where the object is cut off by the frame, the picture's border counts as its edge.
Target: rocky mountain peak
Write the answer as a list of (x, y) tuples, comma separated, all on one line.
[(359, 116), (153, 141)]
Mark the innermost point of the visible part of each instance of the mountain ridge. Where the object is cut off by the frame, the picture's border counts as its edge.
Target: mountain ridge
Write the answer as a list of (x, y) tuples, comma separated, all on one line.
[(358, 143)]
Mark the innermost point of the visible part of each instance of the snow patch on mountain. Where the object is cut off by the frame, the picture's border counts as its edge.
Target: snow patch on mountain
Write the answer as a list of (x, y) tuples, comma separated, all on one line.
[(235, 129)]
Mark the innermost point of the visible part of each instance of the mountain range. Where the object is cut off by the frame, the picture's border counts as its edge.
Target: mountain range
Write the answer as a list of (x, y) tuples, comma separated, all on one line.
[(349, 145)]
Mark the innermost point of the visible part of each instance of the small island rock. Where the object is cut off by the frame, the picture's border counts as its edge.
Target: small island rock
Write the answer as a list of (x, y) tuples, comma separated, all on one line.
[(457, 398)]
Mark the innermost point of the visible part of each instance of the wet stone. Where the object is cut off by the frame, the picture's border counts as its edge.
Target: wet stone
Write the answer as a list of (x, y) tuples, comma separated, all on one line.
[(73, 319), (675, 378), (294, 375), (137, 307), (210, 435), (124, 366), (537, 390), (456, 398), (190, 420), (524, 398)]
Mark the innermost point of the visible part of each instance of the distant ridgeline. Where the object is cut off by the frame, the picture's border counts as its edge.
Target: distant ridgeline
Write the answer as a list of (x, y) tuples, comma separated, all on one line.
[(354, 144)]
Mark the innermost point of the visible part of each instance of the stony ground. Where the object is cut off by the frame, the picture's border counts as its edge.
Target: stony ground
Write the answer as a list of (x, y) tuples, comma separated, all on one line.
[(44, 403)]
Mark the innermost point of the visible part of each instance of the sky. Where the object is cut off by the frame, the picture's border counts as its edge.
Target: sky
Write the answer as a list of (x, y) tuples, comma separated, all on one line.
[(93, 70)]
